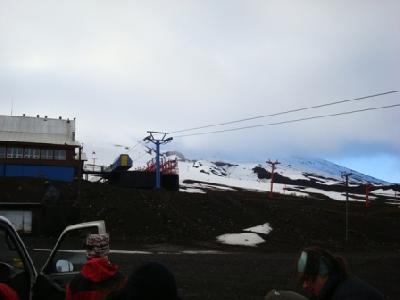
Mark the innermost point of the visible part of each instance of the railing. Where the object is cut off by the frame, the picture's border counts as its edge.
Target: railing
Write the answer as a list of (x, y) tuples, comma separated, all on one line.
[(167, 166)]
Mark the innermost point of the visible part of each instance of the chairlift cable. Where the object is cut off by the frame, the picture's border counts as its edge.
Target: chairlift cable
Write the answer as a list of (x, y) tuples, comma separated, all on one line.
[(290, 121), (284, 112)]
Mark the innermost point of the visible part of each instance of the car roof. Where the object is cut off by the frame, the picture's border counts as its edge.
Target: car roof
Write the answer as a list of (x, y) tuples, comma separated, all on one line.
[(7, 221)]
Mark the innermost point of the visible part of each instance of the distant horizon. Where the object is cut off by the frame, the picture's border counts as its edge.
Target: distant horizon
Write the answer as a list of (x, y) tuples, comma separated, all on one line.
[(106, 155), (364, 165)]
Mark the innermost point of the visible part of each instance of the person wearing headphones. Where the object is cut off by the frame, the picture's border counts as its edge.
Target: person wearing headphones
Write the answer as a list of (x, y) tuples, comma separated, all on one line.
[(326, 277)]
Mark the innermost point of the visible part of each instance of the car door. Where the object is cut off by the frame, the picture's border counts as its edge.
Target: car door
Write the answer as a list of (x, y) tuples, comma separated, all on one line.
[(16, 267), (65, 260)]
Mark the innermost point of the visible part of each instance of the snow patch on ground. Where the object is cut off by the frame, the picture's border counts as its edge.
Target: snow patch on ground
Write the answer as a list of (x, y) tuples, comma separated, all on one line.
[(244, 239), (250, 237), (265, 228)]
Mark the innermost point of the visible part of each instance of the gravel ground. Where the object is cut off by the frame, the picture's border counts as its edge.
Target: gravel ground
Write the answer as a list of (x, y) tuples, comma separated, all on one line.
[(172, 221), (250, 274)]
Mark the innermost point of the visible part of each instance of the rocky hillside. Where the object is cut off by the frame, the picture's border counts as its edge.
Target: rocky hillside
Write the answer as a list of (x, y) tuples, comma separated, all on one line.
[(143, 217)]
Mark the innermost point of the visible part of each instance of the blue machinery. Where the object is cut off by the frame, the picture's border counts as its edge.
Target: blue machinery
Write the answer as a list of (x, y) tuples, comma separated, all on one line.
[(157, 142), (122, 163)]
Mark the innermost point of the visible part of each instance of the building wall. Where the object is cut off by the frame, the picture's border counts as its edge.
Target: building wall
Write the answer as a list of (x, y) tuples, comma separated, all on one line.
[(53, 162), (36, 152), (46, 172)]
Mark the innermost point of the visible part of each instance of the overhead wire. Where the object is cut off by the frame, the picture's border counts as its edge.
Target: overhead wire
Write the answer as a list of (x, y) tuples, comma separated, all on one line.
[(291, 121), (218, 131), (242, 120), (354, 111), (283, 112), (133, 147), (142, 153), (274, 123), (296, 120), (287, 112)]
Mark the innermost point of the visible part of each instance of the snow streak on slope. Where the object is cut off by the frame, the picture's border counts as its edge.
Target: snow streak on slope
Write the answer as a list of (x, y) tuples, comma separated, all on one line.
[(301, 176), (200, 175), (327, 169)]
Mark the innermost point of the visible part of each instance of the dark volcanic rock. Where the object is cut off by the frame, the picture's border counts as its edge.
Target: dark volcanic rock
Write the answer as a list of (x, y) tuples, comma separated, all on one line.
[(155, 216)]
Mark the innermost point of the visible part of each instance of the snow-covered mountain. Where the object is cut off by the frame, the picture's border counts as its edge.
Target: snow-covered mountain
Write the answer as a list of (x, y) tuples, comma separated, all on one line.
[(293, 167), (293, 175)]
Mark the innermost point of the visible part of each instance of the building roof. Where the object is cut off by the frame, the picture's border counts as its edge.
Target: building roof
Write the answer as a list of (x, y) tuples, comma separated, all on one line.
[(37, 130)]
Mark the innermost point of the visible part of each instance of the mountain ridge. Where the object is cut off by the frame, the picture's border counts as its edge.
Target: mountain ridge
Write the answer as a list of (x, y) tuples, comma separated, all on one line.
[(296, 175)]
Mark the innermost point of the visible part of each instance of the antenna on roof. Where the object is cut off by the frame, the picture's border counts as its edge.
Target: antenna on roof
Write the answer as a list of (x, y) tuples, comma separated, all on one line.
[(12, 106)]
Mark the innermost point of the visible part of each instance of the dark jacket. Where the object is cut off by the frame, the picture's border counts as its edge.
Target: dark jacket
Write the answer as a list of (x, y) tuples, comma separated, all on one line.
[(350, 288), (150, 281), (97, 279)]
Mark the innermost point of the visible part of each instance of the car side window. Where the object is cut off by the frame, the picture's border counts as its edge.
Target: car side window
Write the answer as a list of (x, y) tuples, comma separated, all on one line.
[(71, 253)]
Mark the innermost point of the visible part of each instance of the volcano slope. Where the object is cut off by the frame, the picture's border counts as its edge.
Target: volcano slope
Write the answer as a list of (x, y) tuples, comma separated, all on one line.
[(147, 217), (163, 220), (157, 216)]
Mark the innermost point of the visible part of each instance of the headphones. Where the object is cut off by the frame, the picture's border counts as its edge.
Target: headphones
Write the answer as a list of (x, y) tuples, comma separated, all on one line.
[(314, 261)]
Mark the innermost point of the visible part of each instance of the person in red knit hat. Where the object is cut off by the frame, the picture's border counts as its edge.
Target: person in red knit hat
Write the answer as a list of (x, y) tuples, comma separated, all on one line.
[(99, 277)]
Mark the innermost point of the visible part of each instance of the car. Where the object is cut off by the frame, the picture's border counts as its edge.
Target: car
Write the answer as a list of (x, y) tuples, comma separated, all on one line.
[(65, 260)]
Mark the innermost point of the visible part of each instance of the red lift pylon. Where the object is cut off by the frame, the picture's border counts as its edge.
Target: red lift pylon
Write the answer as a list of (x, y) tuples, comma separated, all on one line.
[(273, 164), (367, 190)]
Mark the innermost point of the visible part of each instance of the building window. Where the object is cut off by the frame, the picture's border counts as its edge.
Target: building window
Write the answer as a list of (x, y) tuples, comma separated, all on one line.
[(3, 152), (50, 154), (11, 152), (19, 152), (28, 152), (35, 153), (46, 154), (60, 154), (31, 153)]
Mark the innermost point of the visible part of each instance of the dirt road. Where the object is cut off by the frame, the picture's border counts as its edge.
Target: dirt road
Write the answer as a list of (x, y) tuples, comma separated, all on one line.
[(136, 218), (248, 275), (251, 275)]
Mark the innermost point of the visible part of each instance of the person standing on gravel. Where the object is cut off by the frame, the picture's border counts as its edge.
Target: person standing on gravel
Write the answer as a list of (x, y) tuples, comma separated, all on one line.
[(326, 277), (98, 277)]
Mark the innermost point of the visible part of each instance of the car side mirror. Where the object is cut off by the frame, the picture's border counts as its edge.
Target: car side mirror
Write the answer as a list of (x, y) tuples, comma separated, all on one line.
[(64, 266)]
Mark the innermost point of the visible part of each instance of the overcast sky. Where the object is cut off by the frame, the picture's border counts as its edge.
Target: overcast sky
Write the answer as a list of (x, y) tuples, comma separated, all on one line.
[(125, 67)]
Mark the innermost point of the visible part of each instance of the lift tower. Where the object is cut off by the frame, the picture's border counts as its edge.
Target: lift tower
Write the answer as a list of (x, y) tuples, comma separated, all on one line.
[(273, 166), (152, 137)]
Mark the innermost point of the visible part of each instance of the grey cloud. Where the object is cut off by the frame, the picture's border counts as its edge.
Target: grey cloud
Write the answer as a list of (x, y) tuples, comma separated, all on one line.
[(179, 64)]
